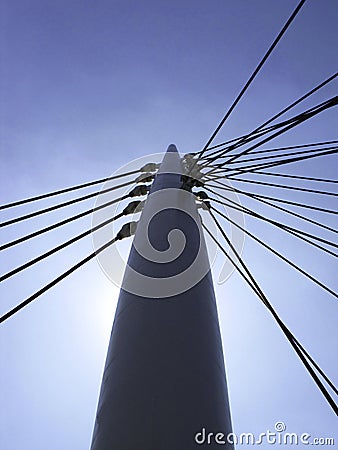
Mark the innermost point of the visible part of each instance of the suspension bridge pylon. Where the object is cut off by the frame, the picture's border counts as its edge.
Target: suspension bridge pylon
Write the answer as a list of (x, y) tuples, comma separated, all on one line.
[(164, 384)]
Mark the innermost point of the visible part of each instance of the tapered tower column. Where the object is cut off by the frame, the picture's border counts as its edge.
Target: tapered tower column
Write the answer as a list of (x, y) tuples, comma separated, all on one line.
[(164, 379)]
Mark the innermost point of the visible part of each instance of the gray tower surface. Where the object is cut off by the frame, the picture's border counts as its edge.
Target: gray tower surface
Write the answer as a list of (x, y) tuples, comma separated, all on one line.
[(164, 378)]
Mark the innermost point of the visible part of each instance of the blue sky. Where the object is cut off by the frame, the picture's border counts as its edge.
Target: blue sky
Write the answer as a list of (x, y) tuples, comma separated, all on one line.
[(85, 88)]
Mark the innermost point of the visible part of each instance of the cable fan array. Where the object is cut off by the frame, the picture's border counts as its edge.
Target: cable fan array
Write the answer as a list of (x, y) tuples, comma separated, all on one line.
[(214, 198), (128, 229), (230, 165), (237, 166)]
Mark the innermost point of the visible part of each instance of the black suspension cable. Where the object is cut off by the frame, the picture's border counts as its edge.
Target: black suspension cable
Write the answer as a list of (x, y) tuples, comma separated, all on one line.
[(136, 192), (252, 77), (308, 94), (59, 247), (221, 167), (55, 281), (254, 285), (62, 205), (290, 202), (69, 189), (254, 167), (278, 149), (292, 123), (262, 158), (246, 139), (275, 252), (295, 232), (298, 233), (291, 147), (297, 120), (249, 136), (296, 177), (236, 266), (222, 153), (270, 150), (293, 188), (61, 223), (302, 353), (238, 142), (263, 200)]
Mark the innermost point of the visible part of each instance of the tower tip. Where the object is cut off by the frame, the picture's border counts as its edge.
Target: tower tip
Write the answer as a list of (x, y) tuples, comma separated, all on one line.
[(172, 148)]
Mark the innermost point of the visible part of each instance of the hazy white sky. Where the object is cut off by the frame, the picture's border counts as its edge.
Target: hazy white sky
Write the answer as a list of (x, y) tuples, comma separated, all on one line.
[(85, 88)]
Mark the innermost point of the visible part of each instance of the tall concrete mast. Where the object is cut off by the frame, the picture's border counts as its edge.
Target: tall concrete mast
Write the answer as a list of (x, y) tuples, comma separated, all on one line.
[(164, 379)]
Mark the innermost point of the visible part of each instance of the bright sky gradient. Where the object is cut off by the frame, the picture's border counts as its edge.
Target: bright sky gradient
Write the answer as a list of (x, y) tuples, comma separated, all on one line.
[(85, 88)]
